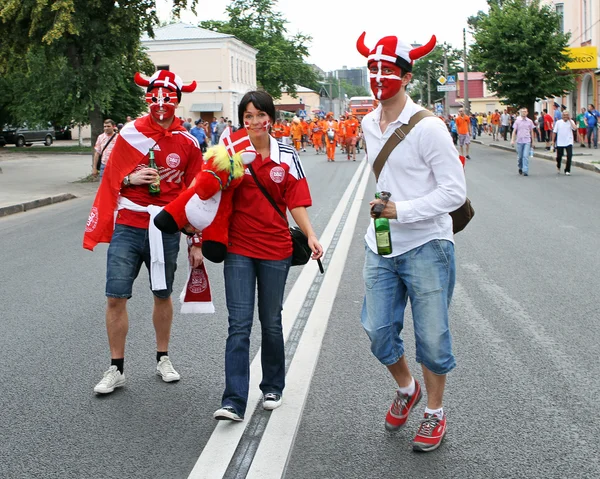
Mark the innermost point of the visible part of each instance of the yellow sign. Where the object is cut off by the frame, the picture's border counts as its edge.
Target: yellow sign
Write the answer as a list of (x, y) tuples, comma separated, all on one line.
[(442, 80), (584, 58)]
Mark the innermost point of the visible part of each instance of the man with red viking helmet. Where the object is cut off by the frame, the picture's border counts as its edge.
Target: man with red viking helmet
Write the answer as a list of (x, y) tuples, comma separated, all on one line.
[(123, 211), (423, 181)]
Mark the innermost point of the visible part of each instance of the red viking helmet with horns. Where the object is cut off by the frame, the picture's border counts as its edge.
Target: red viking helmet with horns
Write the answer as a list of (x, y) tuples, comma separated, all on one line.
[(388, 61), (394, 50), (163, 92)]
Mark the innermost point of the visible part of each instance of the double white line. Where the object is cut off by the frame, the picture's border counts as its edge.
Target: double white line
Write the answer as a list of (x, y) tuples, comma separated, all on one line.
[(272, 454)]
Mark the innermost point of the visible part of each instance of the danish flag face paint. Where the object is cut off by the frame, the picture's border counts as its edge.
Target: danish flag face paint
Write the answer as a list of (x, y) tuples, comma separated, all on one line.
[(266, 124), (385, 79), (162, 103)]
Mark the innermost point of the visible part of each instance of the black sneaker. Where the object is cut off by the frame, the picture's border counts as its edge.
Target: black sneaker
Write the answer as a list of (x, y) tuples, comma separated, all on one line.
[(468, 157), (271, 401), (227, 413), (520, 171)]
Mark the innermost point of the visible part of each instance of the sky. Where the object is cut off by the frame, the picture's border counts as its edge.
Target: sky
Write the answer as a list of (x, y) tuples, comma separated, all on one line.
[(335, 25)]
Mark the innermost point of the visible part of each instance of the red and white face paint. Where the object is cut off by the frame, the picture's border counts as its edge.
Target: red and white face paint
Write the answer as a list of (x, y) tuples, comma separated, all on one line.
[(266, 124), (163, 103), (385, 79)]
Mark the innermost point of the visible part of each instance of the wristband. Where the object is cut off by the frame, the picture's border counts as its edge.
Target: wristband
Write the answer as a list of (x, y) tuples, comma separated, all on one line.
[(195, 240)]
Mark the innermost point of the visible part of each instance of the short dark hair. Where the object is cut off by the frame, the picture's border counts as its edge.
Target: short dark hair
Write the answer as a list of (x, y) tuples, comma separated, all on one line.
[(261, 100)]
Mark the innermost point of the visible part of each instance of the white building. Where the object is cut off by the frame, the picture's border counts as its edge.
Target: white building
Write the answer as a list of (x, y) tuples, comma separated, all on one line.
[(223, 67)]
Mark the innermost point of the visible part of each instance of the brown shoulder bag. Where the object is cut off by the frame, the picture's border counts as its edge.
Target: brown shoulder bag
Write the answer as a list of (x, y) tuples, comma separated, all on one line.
[(461, 216)]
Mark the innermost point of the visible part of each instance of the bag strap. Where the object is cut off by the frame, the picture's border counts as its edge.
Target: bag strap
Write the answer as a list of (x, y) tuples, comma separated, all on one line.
[(395, 139), (107, 143), (267, 195)]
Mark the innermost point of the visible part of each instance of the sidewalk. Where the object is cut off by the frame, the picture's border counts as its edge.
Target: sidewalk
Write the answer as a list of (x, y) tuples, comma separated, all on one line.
[(586, 158), (31, 180)]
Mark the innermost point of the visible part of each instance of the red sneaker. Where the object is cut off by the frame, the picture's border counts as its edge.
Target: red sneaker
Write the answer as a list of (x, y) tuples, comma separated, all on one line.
[(400, 408), (430, 434)]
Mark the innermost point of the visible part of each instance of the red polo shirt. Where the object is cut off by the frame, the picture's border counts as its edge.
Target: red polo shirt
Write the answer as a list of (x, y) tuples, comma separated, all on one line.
[(256, 230)]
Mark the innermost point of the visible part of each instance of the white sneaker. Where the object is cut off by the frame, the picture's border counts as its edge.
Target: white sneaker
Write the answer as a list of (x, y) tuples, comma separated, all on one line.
[(271, 401), (567, 173), (112, 379), (165, 369)]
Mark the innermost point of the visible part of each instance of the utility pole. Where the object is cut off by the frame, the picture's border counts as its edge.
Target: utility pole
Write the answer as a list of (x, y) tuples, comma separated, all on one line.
[(446, 108), (428, 90), (466, 74)]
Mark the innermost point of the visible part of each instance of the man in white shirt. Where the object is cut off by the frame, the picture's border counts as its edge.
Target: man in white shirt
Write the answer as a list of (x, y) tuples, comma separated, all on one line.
[(504, 124), (426, 181), (563, 138)]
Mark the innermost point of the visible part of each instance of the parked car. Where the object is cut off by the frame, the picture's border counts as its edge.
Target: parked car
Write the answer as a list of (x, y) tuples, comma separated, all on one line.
[(63, 132), (26, 135)]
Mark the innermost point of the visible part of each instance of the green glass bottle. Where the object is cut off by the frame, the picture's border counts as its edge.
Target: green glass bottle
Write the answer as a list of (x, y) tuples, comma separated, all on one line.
[(153, 188), (383, 237)]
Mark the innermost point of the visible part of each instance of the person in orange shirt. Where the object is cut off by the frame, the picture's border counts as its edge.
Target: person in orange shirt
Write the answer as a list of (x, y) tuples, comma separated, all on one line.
[(296, 132), (331, 131), (495, 124), (286, 132), (304, 126), (341, 137), (317, 135), (277, 130), (463, 127), (351, 127)]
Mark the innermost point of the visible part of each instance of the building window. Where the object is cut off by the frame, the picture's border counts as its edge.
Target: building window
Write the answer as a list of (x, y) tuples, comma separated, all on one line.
[(231, 68), (560, 10), (237, 64), (587, 20), (162, 67)]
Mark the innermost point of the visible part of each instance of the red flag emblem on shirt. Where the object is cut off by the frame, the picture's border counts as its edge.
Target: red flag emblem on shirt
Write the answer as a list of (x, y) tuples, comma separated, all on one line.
[(237, 141)]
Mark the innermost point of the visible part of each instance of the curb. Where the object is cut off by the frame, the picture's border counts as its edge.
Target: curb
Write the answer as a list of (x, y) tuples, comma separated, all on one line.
[(29, 205), (546, 156)]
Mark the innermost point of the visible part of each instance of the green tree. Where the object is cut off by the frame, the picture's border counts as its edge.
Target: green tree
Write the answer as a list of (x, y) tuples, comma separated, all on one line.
[(280, 61), (353, 90), (434, 64), (521, 50), (74, 60)]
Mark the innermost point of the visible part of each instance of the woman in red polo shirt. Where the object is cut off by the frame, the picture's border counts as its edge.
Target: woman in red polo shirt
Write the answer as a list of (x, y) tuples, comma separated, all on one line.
[(259, 253)]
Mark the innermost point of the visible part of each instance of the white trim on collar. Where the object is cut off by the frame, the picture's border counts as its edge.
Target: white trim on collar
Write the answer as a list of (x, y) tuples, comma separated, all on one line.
[(274, 150)]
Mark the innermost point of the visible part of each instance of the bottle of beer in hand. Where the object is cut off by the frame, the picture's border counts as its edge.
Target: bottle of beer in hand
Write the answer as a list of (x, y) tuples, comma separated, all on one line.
[(153, 188), (383, 237)]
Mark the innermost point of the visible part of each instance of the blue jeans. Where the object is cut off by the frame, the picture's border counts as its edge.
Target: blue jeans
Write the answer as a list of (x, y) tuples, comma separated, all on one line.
[(426, 275), (242, 274), (592, 133), (128, 249), (523, 156)]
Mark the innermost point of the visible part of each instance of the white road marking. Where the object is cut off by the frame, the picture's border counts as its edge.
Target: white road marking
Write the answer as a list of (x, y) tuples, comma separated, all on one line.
[(221, 446), (272, 454)]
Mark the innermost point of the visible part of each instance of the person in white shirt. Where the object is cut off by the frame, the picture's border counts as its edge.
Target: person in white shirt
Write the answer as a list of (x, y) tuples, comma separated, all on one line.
[(426, 181), (563, 139), (504, 124)]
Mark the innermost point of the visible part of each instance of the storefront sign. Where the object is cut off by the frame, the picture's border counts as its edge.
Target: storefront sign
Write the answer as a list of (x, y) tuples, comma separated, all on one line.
[(584, 58)]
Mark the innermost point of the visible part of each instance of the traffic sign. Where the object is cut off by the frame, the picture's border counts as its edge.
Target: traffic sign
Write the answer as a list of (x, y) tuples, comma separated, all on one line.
[(442, 80), (446, 87), (451, 79)]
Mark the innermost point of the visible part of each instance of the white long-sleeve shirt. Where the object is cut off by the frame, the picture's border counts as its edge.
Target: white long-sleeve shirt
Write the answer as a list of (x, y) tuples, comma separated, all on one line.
[(423, 174)]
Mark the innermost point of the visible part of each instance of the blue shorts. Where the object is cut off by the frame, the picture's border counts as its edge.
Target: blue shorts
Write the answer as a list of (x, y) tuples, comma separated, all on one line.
[(128, 249), (426, 275)]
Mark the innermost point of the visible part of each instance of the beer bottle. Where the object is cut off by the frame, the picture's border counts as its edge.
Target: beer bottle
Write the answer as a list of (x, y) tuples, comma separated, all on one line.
[(383, 237), (153, 188)]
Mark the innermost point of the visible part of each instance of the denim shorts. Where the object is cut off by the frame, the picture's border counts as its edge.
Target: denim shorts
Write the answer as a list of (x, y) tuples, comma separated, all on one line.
[(128, 249), (426, 275)]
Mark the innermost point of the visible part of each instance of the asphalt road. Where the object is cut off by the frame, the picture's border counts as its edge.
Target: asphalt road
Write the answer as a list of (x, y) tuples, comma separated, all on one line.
[(521, 403)]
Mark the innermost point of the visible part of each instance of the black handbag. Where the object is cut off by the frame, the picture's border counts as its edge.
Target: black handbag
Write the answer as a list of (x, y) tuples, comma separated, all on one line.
[(301, 252)]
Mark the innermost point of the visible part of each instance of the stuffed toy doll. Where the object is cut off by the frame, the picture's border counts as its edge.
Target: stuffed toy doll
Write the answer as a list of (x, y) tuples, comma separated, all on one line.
[(208, 203)]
